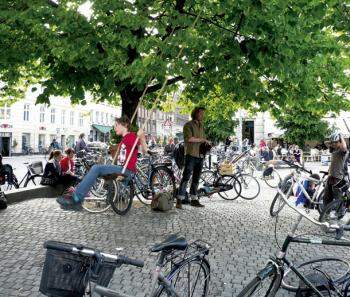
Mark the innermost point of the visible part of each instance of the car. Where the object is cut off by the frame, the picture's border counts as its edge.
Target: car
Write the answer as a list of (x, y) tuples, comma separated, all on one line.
[(97, 145)]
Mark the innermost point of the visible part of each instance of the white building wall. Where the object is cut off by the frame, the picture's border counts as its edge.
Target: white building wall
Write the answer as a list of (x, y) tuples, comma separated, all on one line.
[(67, 131)]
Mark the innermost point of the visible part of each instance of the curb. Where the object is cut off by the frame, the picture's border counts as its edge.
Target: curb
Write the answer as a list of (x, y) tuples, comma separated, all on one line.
[(23, 194)]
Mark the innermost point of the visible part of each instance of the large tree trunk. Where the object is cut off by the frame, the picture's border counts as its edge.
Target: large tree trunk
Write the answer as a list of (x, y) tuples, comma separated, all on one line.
[(130, 100)]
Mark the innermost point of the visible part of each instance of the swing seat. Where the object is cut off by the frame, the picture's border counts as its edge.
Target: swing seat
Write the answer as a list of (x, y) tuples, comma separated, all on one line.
[(113, 176)]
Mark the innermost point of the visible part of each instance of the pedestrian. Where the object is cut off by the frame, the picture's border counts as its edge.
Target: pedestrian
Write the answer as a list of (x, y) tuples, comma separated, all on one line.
[(67, 165), (336, 173), (121, 127), (194, 136), (169, 148), (81, 145), (297, 154)]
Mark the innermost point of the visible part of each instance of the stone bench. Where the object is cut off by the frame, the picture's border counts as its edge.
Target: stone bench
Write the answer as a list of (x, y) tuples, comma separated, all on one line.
[(39, 191)]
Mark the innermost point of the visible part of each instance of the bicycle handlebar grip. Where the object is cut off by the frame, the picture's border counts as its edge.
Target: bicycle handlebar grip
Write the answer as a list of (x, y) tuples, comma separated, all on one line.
[(59, 246), (128, 261)]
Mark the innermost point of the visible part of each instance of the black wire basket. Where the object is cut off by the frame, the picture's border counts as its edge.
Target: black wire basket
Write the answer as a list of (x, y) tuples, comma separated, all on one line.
[(66, 274)]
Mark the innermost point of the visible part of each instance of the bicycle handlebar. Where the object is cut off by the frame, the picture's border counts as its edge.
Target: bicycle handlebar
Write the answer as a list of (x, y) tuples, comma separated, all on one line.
[(84, 251), (300, 167)]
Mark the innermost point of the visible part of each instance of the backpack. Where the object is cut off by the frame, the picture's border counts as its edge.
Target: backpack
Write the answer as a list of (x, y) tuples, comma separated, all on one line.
[(179, 155), (162, 201)]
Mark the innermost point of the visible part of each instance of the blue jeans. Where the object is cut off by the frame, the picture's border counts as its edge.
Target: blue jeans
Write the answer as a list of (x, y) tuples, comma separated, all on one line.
[(97, 171), (193, 167)]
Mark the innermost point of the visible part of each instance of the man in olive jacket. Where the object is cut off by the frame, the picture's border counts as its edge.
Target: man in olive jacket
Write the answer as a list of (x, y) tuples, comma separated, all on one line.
[(193, 137)]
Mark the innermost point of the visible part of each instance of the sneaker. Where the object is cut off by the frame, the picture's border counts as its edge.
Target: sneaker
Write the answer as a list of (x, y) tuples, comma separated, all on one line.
[(178, 204), (64, 200), (196, 203)]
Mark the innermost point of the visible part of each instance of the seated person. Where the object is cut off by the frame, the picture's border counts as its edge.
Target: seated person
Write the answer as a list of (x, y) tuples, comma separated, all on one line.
[(121, 127), (67, 166), (52, 172)]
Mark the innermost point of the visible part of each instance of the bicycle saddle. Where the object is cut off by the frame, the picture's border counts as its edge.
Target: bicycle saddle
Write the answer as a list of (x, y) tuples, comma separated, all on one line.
[(172, 242)]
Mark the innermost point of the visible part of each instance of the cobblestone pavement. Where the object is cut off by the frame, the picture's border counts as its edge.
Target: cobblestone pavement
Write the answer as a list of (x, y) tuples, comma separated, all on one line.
[(241, 233)]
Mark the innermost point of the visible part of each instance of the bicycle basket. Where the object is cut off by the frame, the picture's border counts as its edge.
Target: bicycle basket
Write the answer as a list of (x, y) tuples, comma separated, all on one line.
[(66, 274), (36, 168), (226, 168)]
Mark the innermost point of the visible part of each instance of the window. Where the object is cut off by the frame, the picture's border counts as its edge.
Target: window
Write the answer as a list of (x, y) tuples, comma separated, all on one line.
[(63, 117), (42, 114), (53, 115), (81, 119), (26, 112), (106, 118), (97, 118), (91, 116), (112, 119), (71, 118), (101, 120), (5, 112)]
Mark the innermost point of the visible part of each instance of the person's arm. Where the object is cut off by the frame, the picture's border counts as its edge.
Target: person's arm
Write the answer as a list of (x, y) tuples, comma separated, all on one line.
[(343, 146), (142, 139)]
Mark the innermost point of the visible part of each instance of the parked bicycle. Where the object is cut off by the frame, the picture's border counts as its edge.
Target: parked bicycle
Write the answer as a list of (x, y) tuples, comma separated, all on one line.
[(27, 150), (34, 174), (90, 271), (297, 177), (319, 277)]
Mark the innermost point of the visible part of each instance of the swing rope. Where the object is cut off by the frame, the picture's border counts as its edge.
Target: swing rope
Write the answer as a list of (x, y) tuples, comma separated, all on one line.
[(154, 105)]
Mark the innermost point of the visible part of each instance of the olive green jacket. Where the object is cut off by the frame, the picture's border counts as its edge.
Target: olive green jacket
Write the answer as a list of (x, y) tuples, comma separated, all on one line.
[(193, 129)]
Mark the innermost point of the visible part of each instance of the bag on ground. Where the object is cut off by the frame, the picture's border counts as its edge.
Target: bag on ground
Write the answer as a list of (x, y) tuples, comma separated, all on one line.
[(162, 201)]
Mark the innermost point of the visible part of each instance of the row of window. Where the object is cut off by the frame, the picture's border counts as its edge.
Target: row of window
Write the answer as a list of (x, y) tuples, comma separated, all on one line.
[(95, 117)]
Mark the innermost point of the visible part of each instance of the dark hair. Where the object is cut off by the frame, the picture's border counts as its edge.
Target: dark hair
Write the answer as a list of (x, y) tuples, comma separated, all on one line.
[(54, 154), (82, 135), (195, 111), (123, 120), (68, 151)]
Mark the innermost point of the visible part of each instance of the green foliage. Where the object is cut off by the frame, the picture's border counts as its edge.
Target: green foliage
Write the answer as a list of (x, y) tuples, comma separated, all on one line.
[(261, 54), (301, 126)]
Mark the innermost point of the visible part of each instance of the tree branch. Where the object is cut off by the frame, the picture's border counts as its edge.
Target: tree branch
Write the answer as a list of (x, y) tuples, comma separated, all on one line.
[(157, 87)]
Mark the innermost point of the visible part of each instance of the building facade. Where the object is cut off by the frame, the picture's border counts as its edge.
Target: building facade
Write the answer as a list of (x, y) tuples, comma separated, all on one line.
[(27, 125)]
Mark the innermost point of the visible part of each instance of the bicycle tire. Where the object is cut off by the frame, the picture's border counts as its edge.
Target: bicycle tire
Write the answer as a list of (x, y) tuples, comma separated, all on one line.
[(120, 195), (96, 204), (274, 180), (272, 278), (278, 203), (334, 263), (250, 187), (207, 177), (236, 187), (158, 178), (140, 185), (174, 277), (320, 202)]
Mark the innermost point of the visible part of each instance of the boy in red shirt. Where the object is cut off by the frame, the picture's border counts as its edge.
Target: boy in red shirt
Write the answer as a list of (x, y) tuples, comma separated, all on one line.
[(121, 127)]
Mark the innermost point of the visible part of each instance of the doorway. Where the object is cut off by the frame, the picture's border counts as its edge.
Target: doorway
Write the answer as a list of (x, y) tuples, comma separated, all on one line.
[(248, 131), (5, 144)]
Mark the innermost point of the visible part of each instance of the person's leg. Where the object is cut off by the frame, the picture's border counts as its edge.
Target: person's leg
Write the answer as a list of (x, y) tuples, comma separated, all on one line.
[(197, 170), (90, 178), (328, 193), (186, 175)]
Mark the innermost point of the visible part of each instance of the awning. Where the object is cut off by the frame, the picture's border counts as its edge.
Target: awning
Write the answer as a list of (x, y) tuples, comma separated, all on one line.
[(101, 128)]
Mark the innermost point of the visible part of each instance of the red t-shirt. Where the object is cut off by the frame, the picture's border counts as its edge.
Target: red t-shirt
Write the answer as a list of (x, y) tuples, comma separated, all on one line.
[(125, 147)]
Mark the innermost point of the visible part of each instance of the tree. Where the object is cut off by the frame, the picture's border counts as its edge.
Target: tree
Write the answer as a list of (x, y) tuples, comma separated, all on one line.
[(261, 53), (301, 125)]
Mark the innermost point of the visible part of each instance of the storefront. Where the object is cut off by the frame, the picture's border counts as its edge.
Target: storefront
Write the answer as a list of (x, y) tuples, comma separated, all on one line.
[(99, 133)]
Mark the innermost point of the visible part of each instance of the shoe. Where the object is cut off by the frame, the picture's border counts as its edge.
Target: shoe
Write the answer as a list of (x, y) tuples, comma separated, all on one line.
[(185, 201), (178, 204), (196, 203), (64, 200)]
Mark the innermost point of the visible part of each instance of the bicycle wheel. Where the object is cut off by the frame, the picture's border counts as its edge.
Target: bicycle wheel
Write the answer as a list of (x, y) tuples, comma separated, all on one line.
[(189, 279), (140, 185), (273, 179), (97, 204), (278, 203), (266, 284), (98, 189), (335, 268), (250, 186), (234, 187), (207, 177), (320, 202), (162, 179), (120, 195)]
